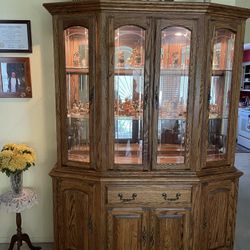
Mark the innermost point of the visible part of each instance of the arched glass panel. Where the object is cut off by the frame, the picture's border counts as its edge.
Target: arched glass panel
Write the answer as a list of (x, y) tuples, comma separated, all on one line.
[(77, 86), (128, 92), (220, 92), (173, 95)]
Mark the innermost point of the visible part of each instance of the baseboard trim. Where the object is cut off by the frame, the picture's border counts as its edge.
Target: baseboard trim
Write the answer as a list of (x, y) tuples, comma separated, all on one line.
[(33, 239)]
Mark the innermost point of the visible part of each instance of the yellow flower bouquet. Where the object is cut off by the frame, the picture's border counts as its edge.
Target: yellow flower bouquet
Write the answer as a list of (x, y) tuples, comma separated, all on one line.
[(15, 158)]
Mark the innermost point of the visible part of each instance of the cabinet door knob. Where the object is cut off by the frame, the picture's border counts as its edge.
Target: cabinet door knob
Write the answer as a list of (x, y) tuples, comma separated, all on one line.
[(204, 224), (120, 195), (151, 239), (177, 197), (90, 224), (144, 236)]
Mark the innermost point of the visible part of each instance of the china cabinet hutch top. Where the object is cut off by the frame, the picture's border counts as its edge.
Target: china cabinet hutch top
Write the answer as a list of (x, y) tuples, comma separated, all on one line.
[(147, 85), (146, 102)]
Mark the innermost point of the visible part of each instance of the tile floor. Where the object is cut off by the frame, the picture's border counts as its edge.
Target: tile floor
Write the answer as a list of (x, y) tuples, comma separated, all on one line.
[(242, 239)]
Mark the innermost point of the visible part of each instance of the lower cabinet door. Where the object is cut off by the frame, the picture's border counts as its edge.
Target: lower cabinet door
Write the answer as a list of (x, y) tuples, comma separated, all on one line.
[(170, 229), (127, 229), (219, 215), (74, 218)]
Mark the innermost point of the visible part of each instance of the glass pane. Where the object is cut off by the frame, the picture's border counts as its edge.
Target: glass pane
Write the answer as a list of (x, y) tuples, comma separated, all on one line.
[(220, 91), (173, 95), (128, 91), (77, 80)]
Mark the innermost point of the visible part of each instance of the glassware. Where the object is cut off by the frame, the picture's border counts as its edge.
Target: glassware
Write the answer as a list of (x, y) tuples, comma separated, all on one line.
[(77, 85), (220, 94), (173, 94), (128, 92), (16, 181)]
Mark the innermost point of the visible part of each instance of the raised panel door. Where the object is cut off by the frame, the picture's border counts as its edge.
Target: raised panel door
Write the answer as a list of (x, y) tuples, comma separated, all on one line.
[(75, 216), (170, 229), (219, 216), (127, 229)]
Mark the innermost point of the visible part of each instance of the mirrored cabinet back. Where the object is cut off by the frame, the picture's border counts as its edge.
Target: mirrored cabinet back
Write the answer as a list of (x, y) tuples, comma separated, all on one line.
[(146, 102)]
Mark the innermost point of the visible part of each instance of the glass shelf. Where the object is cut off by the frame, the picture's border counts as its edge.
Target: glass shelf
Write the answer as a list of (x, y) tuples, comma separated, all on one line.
[(220, 94), (83, 71), (173, 95), (77, 85), (128, 92)]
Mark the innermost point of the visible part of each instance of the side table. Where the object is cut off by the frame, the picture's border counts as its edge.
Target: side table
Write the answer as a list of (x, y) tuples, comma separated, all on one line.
[(18, 203)]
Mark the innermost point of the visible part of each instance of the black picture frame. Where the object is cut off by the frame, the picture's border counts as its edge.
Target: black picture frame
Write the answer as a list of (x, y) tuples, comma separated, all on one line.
[(15, 36)]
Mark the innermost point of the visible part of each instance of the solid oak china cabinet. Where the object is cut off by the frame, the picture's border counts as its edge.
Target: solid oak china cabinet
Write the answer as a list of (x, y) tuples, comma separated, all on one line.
[(146, 103)]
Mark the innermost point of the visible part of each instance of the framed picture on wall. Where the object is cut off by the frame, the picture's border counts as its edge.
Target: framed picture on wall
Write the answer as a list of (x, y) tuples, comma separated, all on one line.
[(15, 80), (15, 36)]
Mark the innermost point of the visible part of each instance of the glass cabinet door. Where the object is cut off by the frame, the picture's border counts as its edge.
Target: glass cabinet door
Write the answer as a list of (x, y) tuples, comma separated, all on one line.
[(128, 94), (173, 95), (220, 94), (77, 91)]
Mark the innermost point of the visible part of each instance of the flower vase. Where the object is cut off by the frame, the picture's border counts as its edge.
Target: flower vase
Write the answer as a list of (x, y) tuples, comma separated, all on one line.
[(16, 181)]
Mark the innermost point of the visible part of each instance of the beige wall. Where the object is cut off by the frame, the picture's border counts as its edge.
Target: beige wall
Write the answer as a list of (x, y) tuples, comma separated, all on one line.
[(245, 4), (32, 121), (228, 2)]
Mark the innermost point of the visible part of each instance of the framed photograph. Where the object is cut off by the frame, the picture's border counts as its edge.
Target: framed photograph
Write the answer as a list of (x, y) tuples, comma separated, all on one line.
[(15, 36), (15, 80)]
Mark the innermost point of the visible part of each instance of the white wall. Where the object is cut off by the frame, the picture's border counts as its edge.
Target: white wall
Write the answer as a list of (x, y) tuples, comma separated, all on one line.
[(245, 4), (227, 2), (32, 121)]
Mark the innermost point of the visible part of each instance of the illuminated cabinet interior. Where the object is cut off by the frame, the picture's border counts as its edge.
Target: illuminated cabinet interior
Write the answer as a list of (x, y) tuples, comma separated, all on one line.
[(146, 100)]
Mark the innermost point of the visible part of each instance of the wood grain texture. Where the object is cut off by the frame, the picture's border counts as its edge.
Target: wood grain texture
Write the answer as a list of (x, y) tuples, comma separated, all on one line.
[(233, 26), (168, 195), (76, 206), (190, 24), (75, 216), (126, 229), (171, 229), (102, 205), (221, 10), (116, 21), (218, 219)]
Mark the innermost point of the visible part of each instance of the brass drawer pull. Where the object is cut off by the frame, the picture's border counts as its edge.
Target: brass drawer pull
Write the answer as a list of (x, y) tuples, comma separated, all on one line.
[(177, 197), (120, 195)]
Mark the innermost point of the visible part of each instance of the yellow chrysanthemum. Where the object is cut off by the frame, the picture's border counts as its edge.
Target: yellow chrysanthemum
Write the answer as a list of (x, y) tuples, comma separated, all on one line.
[(16, 157), (29, 158)]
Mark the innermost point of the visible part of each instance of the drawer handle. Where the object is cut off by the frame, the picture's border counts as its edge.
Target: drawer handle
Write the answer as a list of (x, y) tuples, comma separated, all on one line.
[(177, 197), (120, 195)]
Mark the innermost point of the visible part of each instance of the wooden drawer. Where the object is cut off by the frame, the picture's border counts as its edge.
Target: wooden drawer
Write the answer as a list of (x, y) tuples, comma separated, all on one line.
[(146, 194)]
